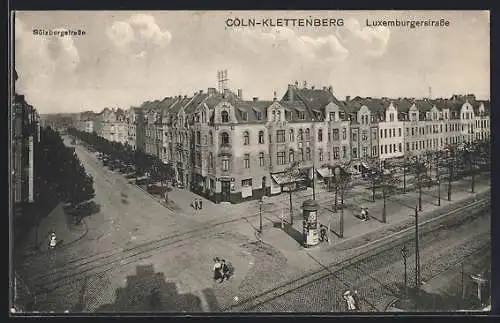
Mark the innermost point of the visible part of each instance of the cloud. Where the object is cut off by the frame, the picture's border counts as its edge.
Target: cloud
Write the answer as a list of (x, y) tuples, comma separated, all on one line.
[(371, 41), (138, 32), (319, 48)]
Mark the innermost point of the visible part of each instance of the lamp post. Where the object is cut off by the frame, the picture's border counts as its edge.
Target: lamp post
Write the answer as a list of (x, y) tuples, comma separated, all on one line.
[(439, 191), (404, 253), (417, 253), (260, 215)]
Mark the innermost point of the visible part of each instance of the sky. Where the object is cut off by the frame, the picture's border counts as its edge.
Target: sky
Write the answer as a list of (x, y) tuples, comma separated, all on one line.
[(126, 58)]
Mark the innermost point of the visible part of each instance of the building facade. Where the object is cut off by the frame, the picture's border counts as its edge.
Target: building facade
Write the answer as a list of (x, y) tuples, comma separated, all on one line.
[(229, 149)]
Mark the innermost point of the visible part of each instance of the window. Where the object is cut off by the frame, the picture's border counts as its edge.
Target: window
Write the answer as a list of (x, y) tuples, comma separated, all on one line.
[(399, 132), (381, 133), (258, 115), (225, 116), (224, 139), (320, 135), (280, 136), (364, 135), (246, 160), (308, 153), (374, 151), (246, 138), (400, 147), (365, 151), (390, 149), (344, 152), (212, 183), (332, 116), (261, 137), (385, 133), (301, 135), (381, 149), (291, 156), (320, 155), (394, 132), (344, 134), (329, 136), (198, 135), (336, 134), (246, 182), (374, 134), (308, 134), (261, 159), (301, 115), (329, 156), (412, 131), (291, 135), (301, 154), (440, 128), (274, 115), (210, 160), (225, 164), (354, 136), (244, 116), (354, 153), (385, 149), (391, 117), (407, 146), (278, 115)]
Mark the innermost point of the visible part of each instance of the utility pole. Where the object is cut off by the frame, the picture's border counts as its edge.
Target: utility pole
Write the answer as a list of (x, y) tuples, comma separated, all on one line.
[(417, 254)]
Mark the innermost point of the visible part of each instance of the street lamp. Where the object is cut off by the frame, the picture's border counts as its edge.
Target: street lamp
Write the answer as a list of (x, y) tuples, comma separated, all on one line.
[(439, 192), (260, 215), (404, 253)]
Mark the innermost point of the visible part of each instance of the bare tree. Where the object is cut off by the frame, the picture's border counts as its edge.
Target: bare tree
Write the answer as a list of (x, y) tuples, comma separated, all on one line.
[(451, 160), (421, 176), (373, 173), (292, 176), (389, 184)]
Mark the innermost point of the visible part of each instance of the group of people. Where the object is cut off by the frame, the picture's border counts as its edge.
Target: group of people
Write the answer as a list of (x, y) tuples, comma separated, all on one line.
[(352, 301), (197, 204), (364, 214), (222, 270)]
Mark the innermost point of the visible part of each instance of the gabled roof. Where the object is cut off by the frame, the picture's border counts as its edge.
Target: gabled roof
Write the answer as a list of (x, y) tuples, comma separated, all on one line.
[(195, 102), (315, 100)]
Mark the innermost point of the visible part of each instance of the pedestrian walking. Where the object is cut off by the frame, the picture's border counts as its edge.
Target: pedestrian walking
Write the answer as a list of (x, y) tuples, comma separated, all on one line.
[(217, 270), (195, 204), (323, 236), (200, 204), (363, 214), (367, 217), (350, 305), (355, 296), (52, 240), (224, 270)]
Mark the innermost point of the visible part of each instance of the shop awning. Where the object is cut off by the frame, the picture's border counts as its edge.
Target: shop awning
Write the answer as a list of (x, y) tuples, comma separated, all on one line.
[(324, 172), (282, 179)]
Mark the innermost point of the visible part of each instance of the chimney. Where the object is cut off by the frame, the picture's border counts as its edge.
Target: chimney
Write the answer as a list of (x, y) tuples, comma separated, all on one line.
[(297, 83), (185, 96), (240, 93), (201, 91), (324, 88), (330, 89), (255, 99), (274, 97), (211, 91), (290, 92), (305, 84), (312, 87), (226, 93), (347, 98)]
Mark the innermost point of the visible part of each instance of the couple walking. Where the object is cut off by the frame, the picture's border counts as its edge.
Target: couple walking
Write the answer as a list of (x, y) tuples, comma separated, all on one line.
[(221, 270), (352, 301), (198, 204)]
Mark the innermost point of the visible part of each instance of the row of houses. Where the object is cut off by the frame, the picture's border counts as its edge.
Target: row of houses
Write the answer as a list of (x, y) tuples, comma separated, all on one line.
[(24, 135), (230, 149)]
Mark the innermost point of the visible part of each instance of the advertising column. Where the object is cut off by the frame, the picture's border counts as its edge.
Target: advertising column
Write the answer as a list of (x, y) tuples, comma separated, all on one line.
[(310, 223)]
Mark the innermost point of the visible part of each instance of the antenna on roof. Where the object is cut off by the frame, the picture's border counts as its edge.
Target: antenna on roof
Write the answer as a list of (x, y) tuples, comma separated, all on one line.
[(222, 80)]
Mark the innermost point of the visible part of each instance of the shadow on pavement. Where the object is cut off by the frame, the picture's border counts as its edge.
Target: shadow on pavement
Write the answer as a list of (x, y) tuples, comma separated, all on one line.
[(291, 231), (147, 291), (75, 215)]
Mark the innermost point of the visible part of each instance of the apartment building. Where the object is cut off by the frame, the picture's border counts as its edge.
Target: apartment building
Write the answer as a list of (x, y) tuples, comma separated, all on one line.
[(230, 149), (25, 134), (85, 121)]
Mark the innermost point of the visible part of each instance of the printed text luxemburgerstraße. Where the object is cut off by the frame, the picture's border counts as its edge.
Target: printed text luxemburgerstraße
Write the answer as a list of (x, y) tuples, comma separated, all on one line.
[(408, 23)]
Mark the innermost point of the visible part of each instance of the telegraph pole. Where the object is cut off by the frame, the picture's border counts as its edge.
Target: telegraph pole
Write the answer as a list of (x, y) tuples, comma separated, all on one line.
[(417, 254)]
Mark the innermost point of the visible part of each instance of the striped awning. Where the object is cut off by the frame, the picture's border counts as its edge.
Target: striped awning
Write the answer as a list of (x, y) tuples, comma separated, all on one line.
[(324, 172), (282, 179)]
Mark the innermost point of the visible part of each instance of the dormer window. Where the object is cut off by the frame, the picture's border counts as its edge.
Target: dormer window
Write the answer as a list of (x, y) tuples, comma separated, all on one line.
[(244, 116), (258, 115), (332, 116), (225, 116), (391, 117), (278, 116), (301, 115), (274, 115)]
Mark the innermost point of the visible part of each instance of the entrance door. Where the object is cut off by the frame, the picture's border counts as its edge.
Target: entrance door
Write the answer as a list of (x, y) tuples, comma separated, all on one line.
[(225, 191)]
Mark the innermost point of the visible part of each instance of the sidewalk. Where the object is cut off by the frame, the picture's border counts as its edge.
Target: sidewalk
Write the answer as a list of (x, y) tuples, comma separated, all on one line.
[(36, 240), (358, 233)]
